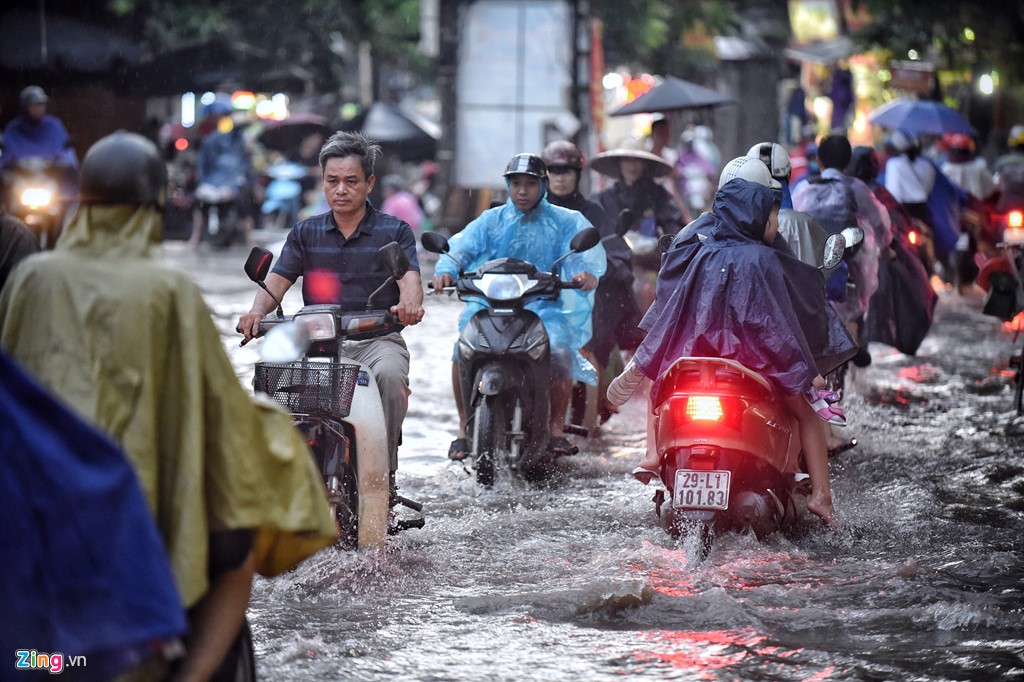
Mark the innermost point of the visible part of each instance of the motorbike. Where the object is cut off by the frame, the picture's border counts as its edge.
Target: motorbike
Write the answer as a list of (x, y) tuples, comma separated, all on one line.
[(336, 405), (730, 454), (283, 195), (1000, 277), (504, 361), (35, 197), (221, 214)]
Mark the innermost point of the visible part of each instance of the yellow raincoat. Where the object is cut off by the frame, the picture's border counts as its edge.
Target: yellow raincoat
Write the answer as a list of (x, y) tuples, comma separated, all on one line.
[(130, 345)]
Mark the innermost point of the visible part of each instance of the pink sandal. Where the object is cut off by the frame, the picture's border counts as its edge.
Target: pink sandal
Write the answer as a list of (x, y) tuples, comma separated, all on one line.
[(830, 413)]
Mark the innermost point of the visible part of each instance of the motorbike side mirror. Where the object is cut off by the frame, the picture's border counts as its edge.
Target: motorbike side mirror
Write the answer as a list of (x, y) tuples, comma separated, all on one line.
[(285, 342), (832, 252), (257, 265), (624, 221), (664, 242), (434, 242), (395, 259), (853, 235), (585, 239)]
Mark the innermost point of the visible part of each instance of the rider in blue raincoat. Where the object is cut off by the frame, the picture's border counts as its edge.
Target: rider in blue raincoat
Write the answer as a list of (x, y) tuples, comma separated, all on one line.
[(530, 228)]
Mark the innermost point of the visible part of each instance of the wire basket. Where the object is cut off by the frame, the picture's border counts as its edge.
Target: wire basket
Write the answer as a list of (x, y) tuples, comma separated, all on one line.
[(308, 387)]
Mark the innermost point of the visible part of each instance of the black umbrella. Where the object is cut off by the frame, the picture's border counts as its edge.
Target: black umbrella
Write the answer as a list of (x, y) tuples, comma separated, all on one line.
[(285, 136), (410, 136), (673, 94)]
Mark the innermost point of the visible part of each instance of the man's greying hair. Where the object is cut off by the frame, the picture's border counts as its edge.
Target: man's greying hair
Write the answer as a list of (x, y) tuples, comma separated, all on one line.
[(342, 144)]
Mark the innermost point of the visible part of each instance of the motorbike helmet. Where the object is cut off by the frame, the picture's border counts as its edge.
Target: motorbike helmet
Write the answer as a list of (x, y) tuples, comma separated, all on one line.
[(961, 141), (123, 168), (526, 164), (562, 153), (33, 94), (775, 157), (1016, 138), (751, 170)]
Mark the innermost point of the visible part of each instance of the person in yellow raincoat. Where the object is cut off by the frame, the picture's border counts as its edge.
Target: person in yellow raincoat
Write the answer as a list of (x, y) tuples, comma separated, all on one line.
[(130, 346)]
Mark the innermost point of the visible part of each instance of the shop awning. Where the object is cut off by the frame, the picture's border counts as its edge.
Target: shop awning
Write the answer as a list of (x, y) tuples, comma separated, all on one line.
[(826, 52)]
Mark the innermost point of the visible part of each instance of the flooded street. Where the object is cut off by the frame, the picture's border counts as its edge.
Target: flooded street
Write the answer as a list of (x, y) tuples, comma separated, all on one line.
[(576, 580)]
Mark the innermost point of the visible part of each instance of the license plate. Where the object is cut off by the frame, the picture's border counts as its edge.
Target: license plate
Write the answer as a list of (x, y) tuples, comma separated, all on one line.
[(701, 489)]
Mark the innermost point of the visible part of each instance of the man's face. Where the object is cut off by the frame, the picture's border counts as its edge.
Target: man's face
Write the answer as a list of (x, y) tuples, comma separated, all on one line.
[(346, 186), (524, 190), (561, 181)]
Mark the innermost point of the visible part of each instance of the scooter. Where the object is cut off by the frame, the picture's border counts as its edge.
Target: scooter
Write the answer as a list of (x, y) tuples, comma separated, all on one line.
[(1001, 279), (336, 404), (505, 361), (34, 196), (729, 449), (283, 195), (222, 219)]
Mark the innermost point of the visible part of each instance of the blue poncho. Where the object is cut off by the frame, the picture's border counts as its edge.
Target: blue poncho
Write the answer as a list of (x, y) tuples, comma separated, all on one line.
[(540, 237), (722, 292)]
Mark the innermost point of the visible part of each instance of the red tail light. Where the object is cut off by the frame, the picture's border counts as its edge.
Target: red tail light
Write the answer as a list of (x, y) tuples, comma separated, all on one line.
[(913, 237), (704, 408), (1015, 219)]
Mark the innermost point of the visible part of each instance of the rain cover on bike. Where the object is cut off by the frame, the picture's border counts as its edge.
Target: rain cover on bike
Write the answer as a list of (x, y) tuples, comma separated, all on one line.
[(540, 237), (722, 292), (130, 346), (85, 570)]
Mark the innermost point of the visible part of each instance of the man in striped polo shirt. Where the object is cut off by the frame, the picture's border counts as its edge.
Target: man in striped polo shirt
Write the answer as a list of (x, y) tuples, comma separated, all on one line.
[(335, 253)]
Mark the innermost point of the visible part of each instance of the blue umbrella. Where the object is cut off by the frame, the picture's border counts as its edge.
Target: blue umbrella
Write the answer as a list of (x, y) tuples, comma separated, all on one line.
[(920, 117)]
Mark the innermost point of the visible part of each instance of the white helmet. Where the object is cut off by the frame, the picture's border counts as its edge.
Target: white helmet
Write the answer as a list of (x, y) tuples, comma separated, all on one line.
[(775, 157), (751, 170)]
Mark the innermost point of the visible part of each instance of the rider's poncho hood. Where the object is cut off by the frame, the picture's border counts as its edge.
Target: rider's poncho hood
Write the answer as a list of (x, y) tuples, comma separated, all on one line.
[(130, 345), (722, 292), (540, 237)]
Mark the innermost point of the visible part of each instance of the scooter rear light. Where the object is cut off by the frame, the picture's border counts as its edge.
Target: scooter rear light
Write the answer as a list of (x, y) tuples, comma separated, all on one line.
[(1015, 219), (913, 237), (704, 408)]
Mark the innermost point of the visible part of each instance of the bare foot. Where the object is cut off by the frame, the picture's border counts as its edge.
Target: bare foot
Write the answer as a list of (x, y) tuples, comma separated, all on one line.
[(823, 509)]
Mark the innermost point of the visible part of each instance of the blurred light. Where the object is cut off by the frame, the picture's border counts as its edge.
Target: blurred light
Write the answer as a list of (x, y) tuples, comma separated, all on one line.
[(208, 98), (913, 54), (913, 237), (280, 101), (987, 83), (265, 108), (1015, 219), (243, 99), (969, 34), (611, 81), (188, 109), (225, 124), (181, 144)]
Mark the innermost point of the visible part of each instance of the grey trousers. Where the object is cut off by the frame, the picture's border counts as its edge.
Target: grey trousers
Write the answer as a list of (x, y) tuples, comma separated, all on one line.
[(388, 359)]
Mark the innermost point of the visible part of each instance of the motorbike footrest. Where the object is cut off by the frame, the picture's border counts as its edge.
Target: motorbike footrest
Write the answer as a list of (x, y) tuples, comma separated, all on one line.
[(405, 524)]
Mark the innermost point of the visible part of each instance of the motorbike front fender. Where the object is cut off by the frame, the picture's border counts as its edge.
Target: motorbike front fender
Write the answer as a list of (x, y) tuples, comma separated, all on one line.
[(494, 379)]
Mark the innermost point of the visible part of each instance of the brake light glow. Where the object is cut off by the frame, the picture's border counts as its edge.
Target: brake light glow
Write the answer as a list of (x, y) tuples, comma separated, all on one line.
[(1015, 219), (704, 407), (913, 237)]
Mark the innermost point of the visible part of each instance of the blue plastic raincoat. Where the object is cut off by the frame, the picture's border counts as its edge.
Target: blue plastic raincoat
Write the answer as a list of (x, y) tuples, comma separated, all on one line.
[(540, 237), (722, 292)]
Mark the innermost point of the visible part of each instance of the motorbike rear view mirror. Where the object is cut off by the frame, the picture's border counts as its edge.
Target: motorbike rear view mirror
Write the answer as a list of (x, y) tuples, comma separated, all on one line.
[(395, 259), (832, 252), (285, 342), (853, 236), (434, 242), (625, 220), (585, 239), (257, 267)]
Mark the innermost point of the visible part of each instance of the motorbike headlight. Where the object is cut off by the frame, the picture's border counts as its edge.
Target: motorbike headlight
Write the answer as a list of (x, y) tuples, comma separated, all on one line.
[(36, 197), (320, 325), (504, 287)]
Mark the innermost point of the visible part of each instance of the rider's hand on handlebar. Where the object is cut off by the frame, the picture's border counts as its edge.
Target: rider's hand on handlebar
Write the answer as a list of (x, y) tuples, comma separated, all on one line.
[(408, 313), (586, 281), (249, 325), (440, 282)]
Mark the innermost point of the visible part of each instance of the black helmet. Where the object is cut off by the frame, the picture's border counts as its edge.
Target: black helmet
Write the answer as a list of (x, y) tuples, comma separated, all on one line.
[(526, 164), (123, 168), (562, 153), (33, 94)]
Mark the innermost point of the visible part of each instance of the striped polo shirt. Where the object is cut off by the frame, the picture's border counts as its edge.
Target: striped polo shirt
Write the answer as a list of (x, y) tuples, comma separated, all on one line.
[(345, 271)]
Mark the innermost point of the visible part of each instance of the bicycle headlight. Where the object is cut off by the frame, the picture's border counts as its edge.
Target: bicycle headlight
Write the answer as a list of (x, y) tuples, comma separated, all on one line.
[(320, 325), (504, 287)]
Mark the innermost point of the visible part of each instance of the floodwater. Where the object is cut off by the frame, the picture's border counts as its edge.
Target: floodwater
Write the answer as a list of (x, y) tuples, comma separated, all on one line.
[(575, 579)]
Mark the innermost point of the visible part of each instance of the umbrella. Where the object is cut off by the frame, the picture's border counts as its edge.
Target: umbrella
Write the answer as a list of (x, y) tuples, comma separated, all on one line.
[(412, 137), (918, 117), (285, 136), (673, 94)]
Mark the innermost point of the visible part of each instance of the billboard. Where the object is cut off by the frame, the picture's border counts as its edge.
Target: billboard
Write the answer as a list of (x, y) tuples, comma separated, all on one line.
[(513, 85)]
